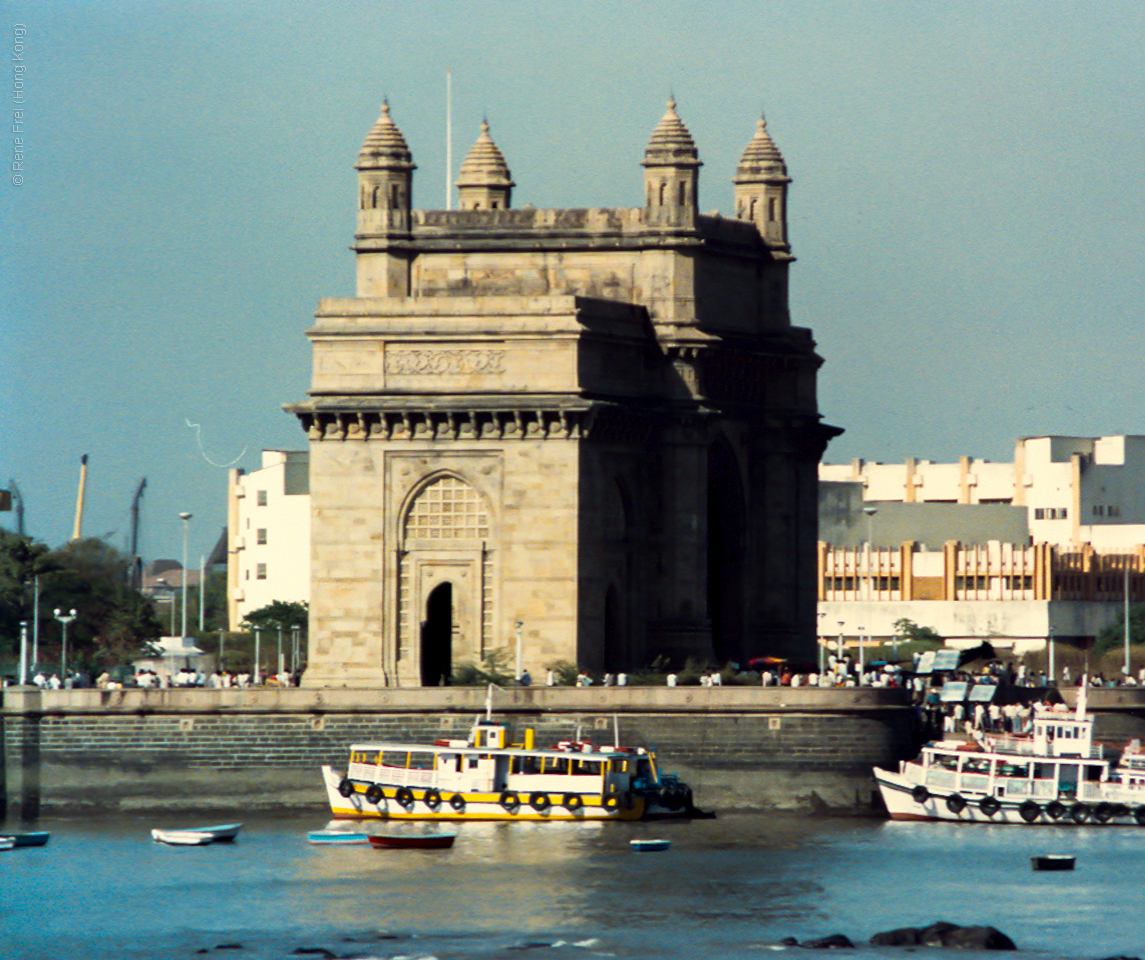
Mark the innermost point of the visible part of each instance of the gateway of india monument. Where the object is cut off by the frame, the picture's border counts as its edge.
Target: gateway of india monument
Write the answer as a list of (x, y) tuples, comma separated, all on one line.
[(582, 435)]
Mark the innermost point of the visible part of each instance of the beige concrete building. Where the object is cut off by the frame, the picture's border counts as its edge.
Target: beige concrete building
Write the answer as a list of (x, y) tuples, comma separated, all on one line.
[(1050, 545), (587, 435)]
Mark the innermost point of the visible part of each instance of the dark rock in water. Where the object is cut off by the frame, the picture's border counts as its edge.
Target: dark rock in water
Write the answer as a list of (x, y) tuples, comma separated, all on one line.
[(978, 938), (1120, 958), (788, 942), (943, 934), (935, 935), (902, 937), (229, 946), (835, 941), (313, 952)]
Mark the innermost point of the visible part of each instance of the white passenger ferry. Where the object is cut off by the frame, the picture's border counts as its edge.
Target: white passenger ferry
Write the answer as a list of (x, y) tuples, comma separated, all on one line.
[(1054, 775), (486, 778)]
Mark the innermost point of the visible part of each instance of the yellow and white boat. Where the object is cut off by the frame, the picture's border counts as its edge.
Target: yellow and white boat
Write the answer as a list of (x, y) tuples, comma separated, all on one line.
[(486, 778)]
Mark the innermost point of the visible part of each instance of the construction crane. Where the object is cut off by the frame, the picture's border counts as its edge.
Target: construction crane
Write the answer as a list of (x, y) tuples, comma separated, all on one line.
[(19, 500), (136, 560)]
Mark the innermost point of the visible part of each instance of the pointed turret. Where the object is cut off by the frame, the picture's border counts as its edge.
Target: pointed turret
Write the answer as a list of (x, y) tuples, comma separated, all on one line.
[(761, 188), (484, 182), (385, 178), (671, 171)]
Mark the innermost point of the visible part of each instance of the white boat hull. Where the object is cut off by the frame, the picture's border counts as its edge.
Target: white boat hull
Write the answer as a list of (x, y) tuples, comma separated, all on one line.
[(905, 800)]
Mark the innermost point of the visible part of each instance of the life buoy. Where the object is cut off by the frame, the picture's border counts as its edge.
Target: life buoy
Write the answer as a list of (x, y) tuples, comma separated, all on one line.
[(1029, 811), (1103, 812), (1120, 810), (375, 794), (673, 798), (539, 801), (404, 797), (509, 800), (1079, 812), (432, 798), (346, 787), (457, 801), (573, 802), (611, 801), (1055, 810), (920, 794), (989, 806), (1139, 816), (955, 803)]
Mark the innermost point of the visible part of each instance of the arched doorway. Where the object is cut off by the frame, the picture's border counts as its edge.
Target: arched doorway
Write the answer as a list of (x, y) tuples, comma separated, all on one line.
[(726, 522), (437, 637)]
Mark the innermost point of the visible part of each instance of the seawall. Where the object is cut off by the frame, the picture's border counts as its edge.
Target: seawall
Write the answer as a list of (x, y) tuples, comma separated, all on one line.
[(805, 748), (192, 749)]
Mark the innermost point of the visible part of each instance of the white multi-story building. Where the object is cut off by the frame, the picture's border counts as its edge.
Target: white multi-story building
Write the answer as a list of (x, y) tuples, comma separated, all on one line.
[(1076, 490), (268, 534), (1052, 544)]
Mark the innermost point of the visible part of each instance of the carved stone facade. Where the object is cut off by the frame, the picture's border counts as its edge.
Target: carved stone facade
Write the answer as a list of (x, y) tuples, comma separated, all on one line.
[(588, 436)]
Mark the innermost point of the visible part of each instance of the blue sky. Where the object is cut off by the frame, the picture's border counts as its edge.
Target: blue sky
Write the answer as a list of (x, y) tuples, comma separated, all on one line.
[(967, 209)]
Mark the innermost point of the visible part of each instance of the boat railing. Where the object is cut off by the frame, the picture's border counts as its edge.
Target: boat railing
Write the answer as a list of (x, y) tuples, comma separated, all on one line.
[(404, 776), (943, 779)]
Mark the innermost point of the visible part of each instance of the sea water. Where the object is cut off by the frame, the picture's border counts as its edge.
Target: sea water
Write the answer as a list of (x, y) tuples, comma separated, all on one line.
[(731, 887)]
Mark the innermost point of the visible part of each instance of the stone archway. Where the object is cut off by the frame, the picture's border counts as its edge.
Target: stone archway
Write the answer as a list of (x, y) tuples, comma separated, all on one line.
[(726, 562)]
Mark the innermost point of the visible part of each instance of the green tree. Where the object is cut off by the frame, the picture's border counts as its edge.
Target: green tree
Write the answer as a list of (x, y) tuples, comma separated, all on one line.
[(286, 614), (114, 622), (22, 559), (1114, 635)]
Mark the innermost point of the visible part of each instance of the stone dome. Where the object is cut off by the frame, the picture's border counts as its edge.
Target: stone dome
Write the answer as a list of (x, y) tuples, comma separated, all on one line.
[(761, 157), (384, 145), (671, 145), (484, 165)]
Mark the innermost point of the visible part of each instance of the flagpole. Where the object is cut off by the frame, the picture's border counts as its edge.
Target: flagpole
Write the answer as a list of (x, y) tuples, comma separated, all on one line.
[(448, 138)]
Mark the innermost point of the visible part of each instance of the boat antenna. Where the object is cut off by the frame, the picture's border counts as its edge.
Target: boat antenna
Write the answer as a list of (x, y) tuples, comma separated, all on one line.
[(1082, 697), (489, 702), (616, 731)]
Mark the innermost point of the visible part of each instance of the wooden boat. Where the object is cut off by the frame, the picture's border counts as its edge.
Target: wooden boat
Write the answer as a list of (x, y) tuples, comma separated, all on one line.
[(485, 777), (411, 841), (1053, 775), (1052, 861), (34, 839), (337, 838), (647, 846), (198, 836), (7, 843)]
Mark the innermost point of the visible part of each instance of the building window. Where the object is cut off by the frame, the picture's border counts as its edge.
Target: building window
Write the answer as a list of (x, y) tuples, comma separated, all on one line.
[(1050, 513), (260, 536), (260, 572), (448, 510), (261, 499)]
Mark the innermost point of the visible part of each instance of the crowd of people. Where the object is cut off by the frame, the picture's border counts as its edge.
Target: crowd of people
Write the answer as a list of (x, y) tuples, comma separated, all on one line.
[(146, 678)]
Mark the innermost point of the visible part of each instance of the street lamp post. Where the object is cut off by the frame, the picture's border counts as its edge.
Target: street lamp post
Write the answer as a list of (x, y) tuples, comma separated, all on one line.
[(186, 518), (819, 641), (219, 668), (257, 640), (862, 667), (23, 652), (519, 624), (279, 648), (839, 652), (295, 647), (1126, 670), (65, 619)]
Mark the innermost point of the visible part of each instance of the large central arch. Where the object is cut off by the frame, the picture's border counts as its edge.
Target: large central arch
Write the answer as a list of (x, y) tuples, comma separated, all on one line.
[(727, 521), (445, 581)]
